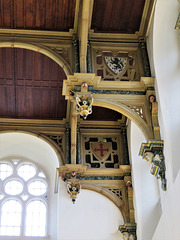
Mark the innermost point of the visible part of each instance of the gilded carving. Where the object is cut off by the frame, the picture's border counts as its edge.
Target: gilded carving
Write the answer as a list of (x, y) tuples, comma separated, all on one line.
[(128, 231), (152, 151), (84, 104), (73, 185)]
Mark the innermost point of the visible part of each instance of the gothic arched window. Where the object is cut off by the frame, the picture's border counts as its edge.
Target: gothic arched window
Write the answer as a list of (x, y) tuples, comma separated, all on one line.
[(23, 199)]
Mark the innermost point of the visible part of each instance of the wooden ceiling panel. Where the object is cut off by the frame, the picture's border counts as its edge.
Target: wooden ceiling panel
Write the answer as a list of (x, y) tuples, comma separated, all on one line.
[(117, 16), (104, 114), (54, 15), (30, 85)]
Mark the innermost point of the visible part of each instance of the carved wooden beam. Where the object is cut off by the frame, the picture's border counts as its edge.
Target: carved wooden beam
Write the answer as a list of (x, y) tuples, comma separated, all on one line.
[(73, 133), (84, 23)]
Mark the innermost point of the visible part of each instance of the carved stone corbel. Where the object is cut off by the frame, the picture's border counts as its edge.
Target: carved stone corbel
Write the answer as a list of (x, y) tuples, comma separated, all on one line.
[(152, 151), (128, 231)]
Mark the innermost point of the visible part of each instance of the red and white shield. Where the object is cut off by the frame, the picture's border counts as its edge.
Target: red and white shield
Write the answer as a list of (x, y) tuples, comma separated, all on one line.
[(101, 150)]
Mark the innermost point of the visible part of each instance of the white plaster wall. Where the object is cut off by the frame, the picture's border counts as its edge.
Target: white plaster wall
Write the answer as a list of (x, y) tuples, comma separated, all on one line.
[(146, 189), (166, 54), (28, 147), (168, 226), (92, 217)]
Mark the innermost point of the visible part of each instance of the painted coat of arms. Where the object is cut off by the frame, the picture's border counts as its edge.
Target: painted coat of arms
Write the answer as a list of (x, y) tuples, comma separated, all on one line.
[(116, 64), (101, 150)]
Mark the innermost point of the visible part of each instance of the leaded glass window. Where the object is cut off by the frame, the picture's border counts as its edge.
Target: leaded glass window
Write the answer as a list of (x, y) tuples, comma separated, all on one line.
[(23, 199)]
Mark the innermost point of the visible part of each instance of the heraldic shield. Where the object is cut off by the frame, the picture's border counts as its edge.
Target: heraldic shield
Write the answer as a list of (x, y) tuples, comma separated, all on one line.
[(116, 64), (101, 150)]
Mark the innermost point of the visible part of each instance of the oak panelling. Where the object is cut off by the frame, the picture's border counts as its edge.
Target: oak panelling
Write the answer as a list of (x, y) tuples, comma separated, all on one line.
[(55, 15), (104, 114), (7, 90), (30, 85), (117, 16)]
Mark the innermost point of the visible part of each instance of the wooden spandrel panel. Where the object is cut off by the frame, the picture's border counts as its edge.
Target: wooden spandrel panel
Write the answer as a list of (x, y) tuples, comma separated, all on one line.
[(117, 16), (30, 85), (55, 15)]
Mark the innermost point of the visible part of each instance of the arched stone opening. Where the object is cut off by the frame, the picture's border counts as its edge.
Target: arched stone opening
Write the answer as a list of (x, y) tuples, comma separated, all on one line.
[(30, 148)]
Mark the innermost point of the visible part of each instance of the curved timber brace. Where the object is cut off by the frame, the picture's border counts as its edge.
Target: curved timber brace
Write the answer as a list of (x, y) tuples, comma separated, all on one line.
[(129, 98), (115, 184)]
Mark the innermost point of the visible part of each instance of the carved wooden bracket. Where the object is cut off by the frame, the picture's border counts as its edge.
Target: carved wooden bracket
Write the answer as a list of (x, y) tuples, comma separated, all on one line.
[(112, 183)]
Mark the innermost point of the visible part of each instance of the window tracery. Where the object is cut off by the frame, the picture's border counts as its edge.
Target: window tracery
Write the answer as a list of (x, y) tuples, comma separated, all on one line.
[(23, 199)]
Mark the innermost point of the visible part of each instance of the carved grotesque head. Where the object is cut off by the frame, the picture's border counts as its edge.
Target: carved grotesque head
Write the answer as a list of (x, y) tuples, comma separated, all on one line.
[(125, 235), (73, 174), (84, 87), (148, 156), (152, 98)]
